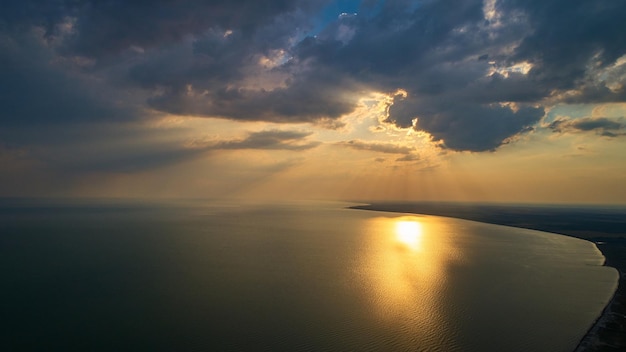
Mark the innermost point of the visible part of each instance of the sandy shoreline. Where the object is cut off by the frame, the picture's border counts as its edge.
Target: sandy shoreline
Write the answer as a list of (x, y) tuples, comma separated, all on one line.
[(604, 226)]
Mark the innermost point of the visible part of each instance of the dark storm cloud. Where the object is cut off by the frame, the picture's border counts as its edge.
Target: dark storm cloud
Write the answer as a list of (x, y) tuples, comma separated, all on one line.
[(108, 27), (462, 70), (473, 81), (601, 125), (432, 52), (569, 35), (466, 126), (60, 59), (400, 37), (37, 87), (307, 100), (208, 75)]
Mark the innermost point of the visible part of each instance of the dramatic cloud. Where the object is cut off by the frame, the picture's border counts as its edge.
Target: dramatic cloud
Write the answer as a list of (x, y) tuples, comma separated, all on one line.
[(106, 28), (473, 74), (478, 73), (568, 37), (600, 125), (466, 126), (301, 102), (38, 87)]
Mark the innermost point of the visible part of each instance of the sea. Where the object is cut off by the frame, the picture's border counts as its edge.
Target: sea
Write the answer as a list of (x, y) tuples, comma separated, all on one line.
[(206, 275)]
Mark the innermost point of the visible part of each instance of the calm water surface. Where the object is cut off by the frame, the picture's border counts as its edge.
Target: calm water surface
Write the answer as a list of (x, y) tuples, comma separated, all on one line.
[(80, 276)]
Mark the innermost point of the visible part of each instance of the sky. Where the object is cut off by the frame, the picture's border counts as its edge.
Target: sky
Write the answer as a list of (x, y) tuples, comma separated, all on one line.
[(442, 100)]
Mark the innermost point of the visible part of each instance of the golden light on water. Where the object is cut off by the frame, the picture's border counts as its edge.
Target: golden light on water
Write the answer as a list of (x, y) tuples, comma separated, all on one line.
[(405, 267), (409, 233)]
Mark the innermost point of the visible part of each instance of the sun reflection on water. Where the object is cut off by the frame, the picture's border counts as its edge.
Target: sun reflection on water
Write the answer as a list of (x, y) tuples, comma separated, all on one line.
[(409, 233), (405, 271)]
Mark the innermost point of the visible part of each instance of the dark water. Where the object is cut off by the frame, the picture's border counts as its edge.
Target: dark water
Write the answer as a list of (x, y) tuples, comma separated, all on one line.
[(87, 276)]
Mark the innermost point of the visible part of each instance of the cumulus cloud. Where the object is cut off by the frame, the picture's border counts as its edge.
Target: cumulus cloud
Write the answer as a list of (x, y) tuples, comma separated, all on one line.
[(567, 37), (466, 126), (476, 74), (473, 79), (308, 101)]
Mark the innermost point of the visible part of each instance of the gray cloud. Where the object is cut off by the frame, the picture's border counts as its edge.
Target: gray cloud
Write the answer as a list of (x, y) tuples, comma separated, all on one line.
[(74, 49), (71, 61), (379, 147), (114, 149), (106, 28), (38, 87), (303, 101), (76, 149), (601, 125), (222, 73), (567, 36), (465, 126), (409, 157), (126, 161), (442, 51), (270, 139)]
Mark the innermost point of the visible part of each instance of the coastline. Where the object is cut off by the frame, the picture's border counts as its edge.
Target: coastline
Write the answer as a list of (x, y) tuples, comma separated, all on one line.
[(603, 226)]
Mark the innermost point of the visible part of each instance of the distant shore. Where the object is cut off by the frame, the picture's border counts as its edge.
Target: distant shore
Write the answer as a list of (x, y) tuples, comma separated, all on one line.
[(603, 225)]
